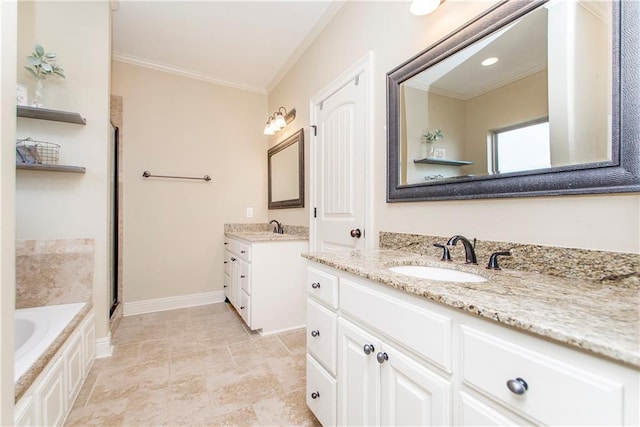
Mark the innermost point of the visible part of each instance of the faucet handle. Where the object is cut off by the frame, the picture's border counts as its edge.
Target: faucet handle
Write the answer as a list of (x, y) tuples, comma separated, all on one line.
[(493, 259), (446, 256)]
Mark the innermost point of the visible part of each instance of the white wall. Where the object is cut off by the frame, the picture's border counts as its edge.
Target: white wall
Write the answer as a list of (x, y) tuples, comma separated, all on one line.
[(9, 24), (60, 205), (174, 229), (606, 222)]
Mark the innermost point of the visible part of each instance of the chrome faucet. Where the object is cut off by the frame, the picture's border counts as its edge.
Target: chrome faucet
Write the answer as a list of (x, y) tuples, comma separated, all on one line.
[(469, 252), (278, 228)]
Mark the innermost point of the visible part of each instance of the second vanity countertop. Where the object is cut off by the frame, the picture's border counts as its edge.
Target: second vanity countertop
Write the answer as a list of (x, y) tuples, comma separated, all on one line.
[(263, 236), (600, 318)]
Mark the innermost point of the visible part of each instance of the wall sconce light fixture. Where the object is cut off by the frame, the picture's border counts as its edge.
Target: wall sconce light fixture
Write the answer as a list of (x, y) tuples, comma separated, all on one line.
[(277, 121), (424, 7)]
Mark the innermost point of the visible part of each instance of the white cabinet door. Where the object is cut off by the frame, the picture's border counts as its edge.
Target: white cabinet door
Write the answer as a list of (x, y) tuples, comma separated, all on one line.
[(245, 307), (25, 413), (410, 394), (75, 366), (244, 276), (53, 396), (233, 285), (358, 376)]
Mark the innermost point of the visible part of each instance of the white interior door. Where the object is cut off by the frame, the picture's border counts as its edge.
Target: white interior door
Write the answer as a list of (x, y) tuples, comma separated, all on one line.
[(339, 172)]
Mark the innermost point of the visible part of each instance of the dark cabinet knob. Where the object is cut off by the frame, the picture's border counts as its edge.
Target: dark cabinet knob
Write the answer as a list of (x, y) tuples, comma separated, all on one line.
[(242, 276), (356, 233), (315, 333), (315, 395), (315, 285)]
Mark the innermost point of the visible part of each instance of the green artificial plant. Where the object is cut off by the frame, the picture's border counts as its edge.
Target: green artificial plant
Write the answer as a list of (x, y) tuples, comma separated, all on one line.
[(43, 64)]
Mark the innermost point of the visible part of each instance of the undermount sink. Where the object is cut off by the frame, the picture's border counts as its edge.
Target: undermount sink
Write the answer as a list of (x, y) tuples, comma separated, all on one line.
[(437, 273)]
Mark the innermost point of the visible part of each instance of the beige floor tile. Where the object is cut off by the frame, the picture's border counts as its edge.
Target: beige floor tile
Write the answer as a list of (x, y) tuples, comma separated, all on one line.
[(290, 371), (138, 334), (288, 410), (232, 390), (124, 382), (153, 351), (189, 403), (102, 414), (242, 417), (257, 351), (199, 366), (295, 341), (147, 408)]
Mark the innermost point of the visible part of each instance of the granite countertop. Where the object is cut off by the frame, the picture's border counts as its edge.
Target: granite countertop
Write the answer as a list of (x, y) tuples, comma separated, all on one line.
[(601, 318), (264, 236)]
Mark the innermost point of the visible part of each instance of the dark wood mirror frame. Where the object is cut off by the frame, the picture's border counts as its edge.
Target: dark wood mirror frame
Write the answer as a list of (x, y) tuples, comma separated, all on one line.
[(620, 175), (298, 138)]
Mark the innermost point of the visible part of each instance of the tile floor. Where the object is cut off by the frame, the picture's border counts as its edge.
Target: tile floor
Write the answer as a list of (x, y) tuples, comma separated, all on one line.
[(196, 367)]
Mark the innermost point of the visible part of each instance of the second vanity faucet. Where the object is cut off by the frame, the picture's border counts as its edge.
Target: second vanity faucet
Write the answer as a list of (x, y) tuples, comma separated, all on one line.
[(278, 228), (469, 252)]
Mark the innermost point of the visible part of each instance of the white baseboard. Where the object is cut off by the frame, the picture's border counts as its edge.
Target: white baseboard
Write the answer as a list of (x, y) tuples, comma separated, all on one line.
[(172, 303), (104, 347)]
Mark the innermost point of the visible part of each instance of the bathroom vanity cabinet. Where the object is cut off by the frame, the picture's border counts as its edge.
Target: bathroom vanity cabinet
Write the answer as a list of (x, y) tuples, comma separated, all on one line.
[(381, 356), (264, 281)]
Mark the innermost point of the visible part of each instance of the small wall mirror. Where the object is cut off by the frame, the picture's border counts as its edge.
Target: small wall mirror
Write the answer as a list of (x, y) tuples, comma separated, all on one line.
[(526, 100), (286, 173)]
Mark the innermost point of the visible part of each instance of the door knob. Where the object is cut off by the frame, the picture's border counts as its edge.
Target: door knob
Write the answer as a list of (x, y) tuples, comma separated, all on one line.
[(356, 233)]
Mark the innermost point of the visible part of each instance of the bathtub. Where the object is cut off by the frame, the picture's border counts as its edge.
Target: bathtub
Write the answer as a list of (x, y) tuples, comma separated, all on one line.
[(36, 329)]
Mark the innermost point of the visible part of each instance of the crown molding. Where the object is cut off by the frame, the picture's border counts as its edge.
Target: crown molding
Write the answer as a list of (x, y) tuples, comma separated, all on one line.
[(183, 72)]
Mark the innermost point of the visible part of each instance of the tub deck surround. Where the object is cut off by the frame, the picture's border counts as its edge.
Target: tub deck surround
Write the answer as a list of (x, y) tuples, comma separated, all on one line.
[(609, 267), (264, 232), (26, 380), (601, 318), (51, 272)]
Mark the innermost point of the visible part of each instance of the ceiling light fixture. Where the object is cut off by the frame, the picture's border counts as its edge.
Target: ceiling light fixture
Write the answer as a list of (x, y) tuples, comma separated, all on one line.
[(424, 7), (490, 61), (277, 121)]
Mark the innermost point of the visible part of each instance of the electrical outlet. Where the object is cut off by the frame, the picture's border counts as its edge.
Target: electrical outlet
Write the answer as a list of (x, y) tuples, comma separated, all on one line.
[(249, 212)]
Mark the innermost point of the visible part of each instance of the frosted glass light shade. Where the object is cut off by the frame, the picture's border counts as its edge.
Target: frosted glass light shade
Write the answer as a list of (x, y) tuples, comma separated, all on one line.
[(280, 122), (423, 7)]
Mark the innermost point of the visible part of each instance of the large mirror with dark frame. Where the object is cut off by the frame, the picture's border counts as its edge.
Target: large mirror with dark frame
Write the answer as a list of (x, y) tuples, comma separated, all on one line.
[(286, 173), (531, 98)]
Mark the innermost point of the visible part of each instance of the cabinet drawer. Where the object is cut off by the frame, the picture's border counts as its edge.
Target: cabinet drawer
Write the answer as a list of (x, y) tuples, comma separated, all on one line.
[(238, 248), (323, 324), (428, 334), (322, 286), (321, 393), (558, 393)]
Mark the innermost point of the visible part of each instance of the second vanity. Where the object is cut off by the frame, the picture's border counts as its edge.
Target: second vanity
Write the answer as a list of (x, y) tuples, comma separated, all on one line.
[(263, 273), (518, 349)]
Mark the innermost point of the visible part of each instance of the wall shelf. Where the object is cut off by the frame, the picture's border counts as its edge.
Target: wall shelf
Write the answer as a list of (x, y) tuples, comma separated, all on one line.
[(443, 162), (53, 115), (51, 168)]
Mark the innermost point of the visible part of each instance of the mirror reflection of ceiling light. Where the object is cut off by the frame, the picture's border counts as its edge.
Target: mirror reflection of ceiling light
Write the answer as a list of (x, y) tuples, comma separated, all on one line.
[(424, 7), (490, 61)]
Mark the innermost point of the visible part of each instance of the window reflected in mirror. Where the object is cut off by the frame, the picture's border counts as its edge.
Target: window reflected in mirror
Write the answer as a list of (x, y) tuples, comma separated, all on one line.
[(542, 99)]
